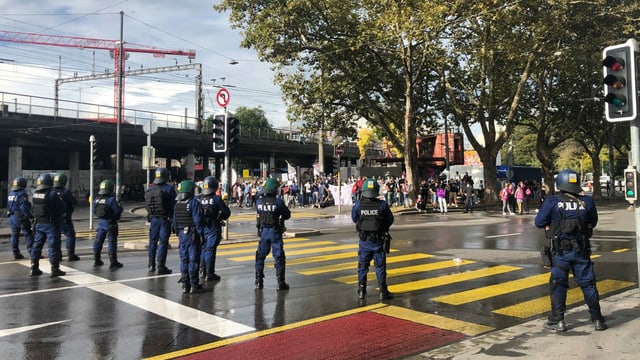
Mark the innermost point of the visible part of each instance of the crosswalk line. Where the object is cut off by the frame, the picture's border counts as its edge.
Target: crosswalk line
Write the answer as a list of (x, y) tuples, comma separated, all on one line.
[(353, 279), (289, 246), (438, 321), (542, 305), (299, 252), (486, 292), (450, 279), (354, 265)]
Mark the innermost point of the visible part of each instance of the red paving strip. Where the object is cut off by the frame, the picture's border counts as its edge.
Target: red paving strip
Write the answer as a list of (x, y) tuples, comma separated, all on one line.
[(360, 336)]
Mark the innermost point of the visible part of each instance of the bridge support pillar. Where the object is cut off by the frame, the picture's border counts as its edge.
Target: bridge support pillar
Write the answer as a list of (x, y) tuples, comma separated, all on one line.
[(190, 165), (15, 163), (74, 171), (272, 164)]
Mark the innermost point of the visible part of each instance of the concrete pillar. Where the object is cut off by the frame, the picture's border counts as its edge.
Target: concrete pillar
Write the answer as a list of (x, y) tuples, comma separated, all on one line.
[(272, 164), (190, 165), (15, 164)]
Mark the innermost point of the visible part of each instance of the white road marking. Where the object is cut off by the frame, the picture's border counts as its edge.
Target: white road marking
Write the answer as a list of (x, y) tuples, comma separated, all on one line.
[(502, 235), (7, 332), (196, 319)]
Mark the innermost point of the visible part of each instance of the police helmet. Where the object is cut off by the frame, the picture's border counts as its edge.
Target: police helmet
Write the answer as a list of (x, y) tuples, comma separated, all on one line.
[(568, 181), (270, 186), (18, 183), (209, 185), (59, 180), (44, 181), (161, 176), (187, 186), (370, 188), (106, 187)]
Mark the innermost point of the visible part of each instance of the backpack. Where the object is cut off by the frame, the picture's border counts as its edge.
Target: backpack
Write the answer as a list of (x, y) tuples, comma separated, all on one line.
[(156, 201)]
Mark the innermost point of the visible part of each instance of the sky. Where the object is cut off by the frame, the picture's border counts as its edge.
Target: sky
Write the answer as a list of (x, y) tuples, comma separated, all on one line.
[(32, 69)]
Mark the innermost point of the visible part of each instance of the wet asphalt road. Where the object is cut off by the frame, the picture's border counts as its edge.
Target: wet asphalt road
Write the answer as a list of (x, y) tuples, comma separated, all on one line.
[(438, 264)]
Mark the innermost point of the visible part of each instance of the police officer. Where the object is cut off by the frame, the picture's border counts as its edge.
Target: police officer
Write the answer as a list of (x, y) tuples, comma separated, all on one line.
[(214, 213), (108, 211), (70, 201), (19, 212), (160, 201), (373, 219), (271, 215), (48, 210), (187, 225), (569, 219)]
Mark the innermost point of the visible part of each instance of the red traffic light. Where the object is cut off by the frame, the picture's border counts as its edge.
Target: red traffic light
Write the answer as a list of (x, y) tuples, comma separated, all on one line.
[(613, 63)]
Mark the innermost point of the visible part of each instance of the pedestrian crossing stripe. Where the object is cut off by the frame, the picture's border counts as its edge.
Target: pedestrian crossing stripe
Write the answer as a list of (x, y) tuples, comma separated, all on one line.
[(486, 292), (289, 246), (434, 320), (353, 279), (300, 252), (450, 279), (354, 265), (541, 305)]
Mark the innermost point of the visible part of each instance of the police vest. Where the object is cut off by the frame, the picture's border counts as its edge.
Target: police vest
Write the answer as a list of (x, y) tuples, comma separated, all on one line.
[(570, 227), (266, 211), (102, 210), (207, 207), (369, 216), (13, 201), (40, 208), (183, 214), (157, 201)]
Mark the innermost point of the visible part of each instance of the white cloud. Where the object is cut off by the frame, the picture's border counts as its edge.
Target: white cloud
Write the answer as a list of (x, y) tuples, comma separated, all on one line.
[(165, 24)]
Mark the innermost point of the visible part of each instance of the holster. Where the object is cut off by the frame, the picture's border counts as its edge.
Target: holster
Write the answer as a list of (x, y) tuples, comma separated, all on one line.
[(386, 243)]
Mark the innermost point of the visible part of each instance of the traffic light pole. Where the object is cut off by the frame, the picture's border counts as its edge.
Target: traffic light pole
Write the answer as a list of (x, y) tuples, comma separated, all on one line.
[(635, 156), (227, 175), (92, 142)]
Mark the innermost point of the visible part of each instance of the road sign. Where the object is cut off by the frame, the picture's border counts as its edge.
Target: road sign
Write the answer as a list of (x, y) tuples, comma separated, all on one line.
[(223, 97), (339, 150)]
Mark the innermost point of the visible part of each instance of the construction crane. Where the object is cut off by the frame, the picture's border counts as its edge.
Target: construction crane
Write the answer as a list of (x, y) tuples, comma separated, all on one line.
[(99, 44)]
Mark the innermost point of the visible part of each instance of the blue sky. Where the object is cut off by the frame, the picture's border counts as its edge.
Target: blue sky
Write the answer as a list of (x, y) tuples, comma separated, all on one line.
[(165, 24)]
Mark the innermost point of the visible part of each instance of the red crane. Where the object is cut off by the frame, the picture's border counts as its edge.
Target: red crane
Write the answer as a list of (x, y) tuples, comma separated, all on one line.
[(89, 43)]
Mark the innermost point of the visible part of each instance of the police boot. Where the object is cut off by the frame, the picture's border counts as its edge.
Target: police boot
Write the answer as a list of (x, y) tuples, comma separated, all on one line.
[(55, 271), (152, 264), (362, 290), (96, 260), (162, 268), (186, 285), (72, 255), (35, 268), (282, 285), (259, 280), (211, 271), (384, 292), (18, 256), (198, 288), (113, 258)]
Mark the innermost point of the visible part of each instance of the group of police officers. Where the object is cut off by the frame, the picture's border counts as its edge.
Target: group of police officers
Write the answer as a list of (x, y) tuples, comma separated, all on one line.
[(197, 215)]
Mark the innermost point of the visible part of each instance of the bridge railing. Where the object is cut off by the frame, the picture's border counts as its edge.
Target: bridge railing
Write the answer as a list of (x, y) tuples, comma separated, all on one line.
[(37, 105)]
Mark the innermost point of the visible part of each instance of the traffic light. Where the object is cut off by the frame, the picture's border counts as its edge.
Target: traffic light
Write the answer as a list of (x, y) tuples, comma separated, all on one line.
[(620, 81), (336, 164), (630, 184), (219, 133), (233, 132)]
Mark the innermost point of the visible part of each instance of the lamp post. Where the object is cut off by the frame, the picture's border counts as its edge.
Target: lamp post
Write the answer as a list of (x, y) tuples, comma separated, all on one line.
[(92, 141)]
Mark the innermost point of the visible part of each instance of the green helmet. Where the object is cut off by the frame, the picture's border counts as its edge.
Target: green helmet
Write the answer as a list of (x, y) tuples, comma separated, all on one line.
[(59, 180), (370, 188), (270, 186), (187, 186), (106, 187)]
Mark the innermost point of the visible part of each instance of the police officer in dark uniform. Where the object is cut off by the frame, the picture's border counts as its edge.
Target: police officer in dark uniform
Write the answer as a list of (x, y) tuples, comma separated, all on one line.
[(187, 225), (48, 210), (373, 218), (19, 212), (160, 201), (569, 219), (108, 211), (70, 201), (214, 213), (271, 215)]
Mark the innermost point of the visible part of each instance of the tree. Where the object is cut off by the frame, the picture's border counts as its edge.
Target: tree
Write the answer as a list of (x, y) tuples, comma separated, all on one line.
[(253, 118), (340, 61)]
